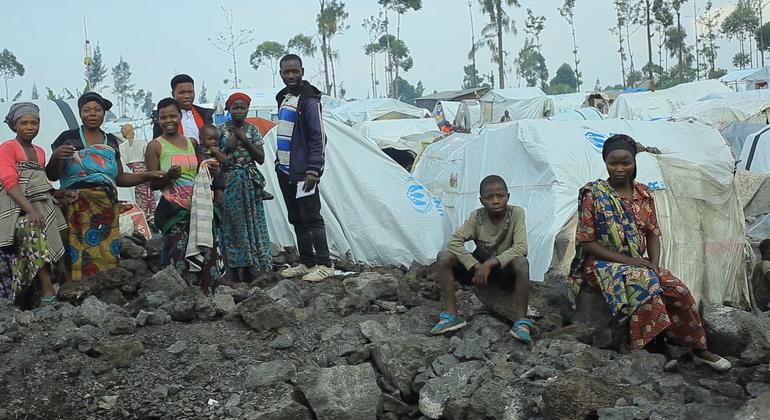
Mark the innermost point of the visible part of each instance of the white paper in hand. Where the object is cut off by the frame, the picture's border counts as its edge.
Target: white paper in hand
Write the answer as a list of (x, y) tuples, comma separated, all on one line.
[(301, 190)]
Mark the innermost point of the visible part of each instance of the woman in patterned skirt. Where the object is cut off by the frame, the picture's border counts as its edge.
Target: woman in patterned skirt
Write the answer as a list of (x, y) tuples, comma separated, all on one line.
[(618, 252)]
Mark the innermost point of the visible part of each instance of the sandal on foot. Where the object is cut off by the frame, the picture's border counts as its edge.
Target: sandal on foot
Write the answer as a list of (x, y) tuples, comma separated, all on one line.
[(522, 330), (721, 365), (46, 301)]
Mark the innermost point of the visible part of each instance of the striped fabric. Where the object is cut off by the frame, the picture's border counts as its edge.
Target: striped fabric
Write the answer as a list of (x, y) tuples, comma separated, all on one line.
[(287, 116), (201, 235), (37, 189)]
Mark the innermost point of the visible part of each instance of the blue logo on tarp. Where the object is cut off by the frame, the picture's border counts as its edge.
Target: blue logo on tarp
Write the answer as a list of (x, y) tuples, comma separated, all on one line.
[(439, 207), (596, 139), (419, 196)]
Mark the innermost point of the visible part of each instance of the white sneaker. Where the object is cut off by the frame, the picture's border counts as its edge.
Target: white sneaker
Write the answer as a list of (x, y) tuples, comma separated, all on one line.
[(319, 273), (296, 271)]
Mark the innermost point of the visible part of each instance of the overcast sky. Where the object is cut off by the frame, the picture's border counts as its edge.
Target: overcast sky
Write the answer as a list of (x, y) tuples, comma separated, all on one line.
[(161, 38)]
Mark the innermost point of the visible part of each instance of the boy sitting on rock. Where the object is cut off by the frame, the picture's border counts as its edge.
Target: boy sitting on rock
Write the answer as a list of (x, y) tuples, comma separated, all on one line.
[(500, 235)]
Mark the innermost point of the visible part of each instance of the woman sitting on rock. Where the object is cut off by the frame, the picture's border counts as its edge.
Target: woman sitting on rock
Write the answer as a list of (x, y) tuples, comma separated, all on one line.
[(30, 220), (618, 252)]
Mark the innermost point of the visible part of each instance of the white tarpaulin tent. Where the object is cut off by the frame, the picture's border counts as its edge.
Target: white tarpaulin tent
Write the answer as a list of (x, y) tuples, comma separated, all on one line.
[(755, 155), (583, 114), (468, 115), (662, 103), (55, 117), (375, 211), (362, 110), (546, 162), (567, 102), (393, 133), (521, 103), (718, 113), (735, 134), (747, 79)]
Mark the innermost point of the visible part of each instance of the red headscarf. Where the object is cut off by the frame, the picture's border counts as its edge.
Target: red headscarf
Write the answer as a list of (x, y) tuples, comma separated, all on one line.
[(237, 96)]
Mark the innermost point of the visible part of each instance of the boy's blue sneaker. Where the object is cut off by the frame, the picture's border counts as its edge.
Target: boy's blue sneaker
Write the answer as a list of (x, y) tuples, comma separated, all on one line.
[(447, 323)]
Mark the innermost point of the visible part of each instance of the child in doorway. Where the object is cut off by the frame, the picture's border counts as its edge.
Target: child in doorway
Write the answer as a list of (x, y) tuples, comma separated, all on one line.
[(500, 235)]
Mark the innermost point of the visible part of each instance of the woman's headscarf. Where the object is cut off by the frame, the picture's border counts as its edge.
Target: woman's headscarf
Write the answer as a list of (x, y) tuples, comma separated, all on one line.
[(620, 142), (19, 110), (235, 97), (94, 97)]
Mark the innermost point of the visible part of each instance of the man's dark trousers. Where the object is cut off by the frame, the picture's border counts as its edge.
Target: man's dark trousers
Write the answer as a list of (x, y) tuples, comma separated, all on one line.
[(305, 216)]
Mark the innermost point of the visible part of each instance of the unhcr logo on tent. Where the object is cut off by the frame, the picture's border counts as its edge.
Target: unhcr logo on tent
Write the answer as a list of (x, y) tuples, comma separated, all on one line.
[(419, 196), (596, 139)]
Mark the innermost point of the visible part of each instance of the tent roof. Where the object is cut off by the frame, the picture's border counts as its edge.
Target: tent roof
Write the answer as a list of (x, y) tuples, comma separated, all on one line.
[(450, 95), (758, 73), (259, 98), (662, 103), (372, 109), (499, 95)]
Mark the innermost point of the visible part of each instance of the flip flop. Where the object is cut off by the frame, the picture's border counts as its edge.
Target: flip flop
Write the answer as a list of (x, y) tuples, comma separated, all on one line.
[(522, 330)]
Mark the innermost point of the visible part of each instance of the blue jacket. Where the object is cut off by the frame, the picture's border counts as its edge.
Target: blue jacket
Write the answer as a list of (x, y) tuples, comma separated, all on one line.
[(308, 140)]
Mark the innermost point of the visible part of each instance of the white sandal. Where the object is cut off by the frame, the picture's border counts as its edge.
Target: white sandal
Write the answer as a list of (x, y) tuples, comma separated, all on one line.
[(721, 365)]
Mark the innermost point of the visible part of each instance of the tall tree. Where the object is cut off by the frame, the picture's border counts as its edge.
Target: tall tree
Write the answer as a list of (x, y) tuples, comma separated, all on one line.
[(399, 54), (617, 30), (230, 40), (203, 97), (268, 52), (471, 78), (492, 33), (567, 11), (400, 7), (302, 45), (648, 19), (121, 84), (331, 21), (375, 28), (9, 68), (148, 105), (530, 65), (137, 100), (35, 94), (409, 92), (534, 25), (474, 73), (741, 24), (680, 46), (96, 71), (564, 81), (710, 23), (661, 9)]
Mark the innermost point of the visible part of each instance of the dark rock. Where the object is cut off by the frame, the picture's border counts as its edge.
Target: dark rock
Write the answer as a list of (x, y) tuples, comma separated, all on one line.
[(287, 408), (177, 348), (399, 355), (261, 313), (391, 404), (755, 389), (223, 304), (119, 325), (94, 311), (269, 373), (138, 268), (286, 293), (183, 308), (756, 409), (577, 396), (122, 355), (371, 286), (283, 341), (733, 332), (341, 392), (471, 346), (726, 388), (159, 317), (204, 309), (605, 331), (621, 413), (166, 280), (497, 398), (460, 381), (154, 245), (130, 250)]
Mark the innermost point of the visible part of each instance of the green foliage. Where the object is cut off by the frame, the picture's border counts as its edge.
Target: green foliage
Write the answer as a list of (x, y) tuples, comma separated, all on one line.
[(401, 6), (143, 102), (565, 77), (35, 94), (471, 78), (741, 60), (96, 72), (408, 93), (302, 45), (764, 33), (742, 23), (203, 97), (121, 84), (492, 33), (268, 52), (710, 21), (9, 68), (530, 65), (399, 52)]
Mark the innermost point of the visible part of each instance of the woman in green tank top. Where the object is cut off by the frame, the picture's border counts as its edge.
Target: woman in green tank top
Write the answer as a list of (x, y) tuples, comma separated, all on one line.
[(179, 157)]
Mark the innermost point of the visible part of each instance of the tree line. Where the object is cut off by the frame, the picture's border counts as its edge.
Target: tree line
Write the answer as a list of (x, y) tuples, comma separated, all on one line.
[(673, 56)]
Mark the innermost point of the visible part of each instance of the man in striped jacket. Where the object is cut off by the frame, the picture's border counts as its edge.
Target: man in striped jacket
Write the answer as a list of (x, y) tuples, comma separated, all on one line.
[(299, 164)]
